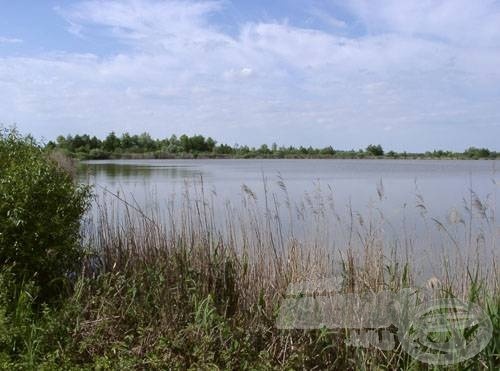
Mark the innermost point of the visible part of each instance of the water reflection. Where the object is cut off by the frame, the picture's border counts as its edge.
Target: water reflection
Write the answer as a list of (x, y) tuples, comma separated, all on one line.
[(125, 170), (113, 174)]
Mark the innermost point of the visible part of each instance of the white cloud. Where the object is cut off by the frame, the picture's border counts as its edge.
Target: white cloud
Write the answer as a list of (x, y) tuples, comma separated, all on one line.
[(422, 66), (463, 22), (10, 40), (149, 23)]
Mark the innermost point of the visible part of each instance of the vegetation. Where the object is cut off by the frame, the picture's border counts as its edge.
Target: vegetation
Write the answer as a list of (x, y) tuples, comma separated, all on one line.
[(375, 150), (41, 208), (191, 289), (144, 146)]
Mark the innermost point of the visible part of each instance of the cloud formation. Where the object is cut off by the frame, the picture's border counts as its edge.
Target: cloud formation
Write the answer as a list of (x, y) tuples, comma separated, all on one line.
[(410, 75)]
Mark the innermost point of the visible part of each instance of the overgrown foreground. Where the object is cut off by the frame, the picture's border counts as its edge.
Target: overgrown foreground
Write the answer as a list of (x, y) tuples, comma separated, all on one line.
[(182, 296), (193, 288)]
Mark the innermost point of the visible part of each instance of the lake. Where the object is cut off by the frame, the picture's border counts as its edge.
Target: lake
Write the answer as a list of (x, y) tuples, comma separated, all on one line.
[(435, 202)]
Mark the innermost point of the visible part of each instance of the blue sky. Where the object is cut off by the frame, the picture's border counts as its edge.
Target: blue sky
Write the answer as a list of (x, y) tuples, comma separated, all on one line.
[(410, 75)]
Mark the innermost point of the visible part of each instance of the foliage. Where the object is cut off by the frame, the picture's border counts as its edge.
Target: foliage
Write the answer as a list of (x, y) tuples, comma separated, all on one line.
[(375, 150), (473, 152), (143, 145), (40, 212)]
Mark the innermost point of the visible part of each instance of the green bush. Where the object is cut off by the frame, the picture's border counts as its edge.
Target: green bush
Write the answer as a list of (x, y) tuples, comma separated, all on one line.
[(40, 212)]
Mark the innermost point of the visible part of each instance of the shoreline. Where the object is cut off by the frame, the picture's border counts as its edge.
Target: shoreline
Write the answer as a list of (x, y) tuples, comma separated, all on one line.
[(221, 157)]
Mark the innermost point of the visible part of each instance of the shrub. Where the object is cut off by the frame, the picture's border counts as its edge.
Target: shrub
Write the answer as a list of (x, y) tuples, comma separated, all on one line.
[(40, 212)]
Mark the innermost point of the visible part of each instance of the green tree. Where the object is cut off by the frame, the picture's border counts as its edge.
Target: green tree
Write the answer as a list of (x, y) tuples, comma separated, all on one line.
[(226, 149), (328, 151), (95, 143), (375, 150), (264, 150), (210, 144), (111, 143), (197, 143), (126, 141), (185, 143), (146, 143), (474, 152)]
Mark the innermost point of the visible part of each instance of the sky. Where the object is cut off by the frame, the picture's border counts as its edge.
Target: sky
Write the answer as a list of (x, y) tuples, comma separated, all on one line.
[(409, 75)]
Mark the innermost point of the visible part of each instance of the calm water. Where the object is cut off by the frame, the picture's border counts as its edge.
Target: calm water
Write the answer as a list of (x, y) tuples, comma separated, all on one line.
[(443, 184), (394, 188)]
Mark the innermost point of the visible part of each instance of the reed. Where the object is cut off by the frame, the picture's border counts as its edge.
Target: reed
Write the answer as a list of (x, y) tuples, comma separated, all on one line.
[(199, 285)]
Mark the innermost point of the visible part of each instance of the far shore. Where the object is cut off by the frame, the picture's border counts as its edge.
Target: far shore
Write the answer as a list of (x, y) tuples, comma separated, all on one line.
[(143, 146), (203, 156)]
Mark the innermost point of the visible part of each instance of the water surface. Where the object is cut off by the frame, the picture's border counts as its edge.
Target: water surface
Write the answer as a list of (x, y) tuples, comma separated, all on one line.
[(416, 192)]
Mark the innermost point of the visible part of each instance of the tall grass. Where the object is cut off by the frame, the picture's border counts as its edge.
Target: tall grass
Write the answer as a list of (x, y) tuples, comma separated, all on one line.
[(201, 285), (198, 282)]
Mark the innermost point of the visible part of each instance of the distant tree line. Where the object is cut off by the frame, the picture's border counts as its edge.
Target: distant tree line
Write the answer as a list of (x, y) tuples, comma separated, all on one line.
[(144, 146)]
